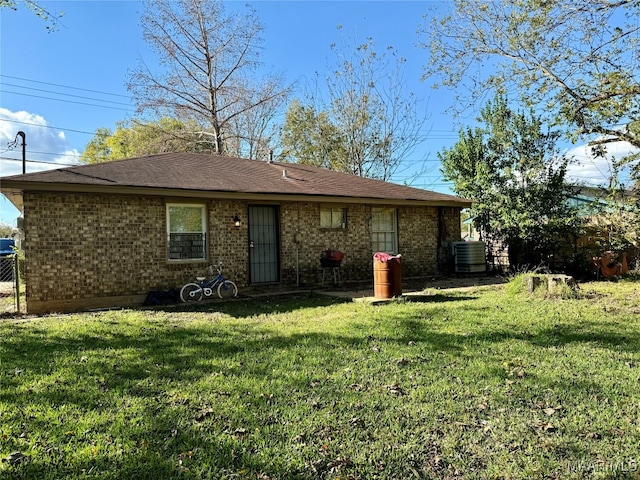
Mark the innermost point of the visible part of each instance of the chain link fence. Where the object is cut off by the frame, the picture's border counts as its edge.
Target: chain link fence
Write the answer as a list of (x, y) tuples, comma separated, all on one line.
[(11, 291)]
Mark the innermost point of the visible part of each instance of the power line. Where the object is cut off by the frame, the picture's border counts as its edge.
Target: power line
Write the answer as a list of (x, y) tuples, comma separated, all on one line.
[(65, 86), (60, 93), (46, 126), (54, 154), (68, 101), (40, 161)]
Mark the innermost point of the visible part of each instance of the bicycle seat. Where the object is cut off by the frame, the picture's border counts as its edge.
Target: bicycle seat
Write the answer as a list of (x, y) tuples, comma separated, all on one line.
[(201, 279)]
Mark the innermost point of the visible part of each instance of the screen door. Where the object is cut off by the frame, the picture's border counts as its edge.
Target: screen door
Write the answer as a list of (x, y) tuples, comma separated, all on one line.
[(263, 244)]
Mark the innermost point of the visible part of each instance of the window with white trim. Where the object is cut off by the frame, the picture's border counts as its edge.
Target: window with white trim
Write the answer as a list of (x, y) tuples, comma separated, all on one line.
[(333, 217), (384, 234), (186, 231)]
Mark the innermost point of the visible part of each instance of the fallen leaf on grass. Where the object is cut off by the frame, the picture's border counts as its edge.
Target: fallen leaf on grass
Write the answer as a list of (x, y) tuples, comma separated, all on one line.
[(207, 412), (395, 389), (15, 458), (549, 411), (236, 432), (548, 427), (356, 422), (339, 463)]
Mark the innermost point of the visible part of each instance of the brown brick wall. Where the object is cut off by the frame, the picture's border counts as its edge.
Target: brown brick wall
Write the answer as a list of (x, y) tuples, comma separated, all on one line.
[(85, 250)]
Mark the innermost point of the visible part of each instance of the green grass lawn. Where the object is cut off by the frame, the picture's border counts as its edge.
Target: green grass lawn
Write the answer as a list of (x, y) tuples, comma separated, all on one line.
[(486, 383)]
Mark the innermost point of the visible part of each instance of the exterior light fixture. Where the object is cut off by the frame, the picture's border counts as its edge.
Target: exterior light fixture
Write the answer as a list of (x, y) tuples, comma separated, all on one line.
[(236, 221)]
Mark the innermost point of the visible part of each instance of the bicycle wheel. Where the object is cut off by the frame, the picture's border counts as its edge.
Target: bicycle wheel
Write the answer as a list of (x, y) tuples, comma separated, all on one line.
[(191, 292), (227, 289)]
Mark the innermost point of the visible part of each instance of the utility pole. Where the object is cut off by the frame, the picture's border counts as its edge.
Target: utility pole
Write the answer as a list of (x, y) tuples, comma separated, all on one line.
[(14, 144), (24, 151)]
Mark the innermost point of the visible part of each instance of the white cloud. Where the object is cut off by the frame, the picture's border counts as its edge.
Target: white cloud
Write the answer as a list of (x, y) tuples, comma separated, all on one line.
[(46, 147), (597, 171)]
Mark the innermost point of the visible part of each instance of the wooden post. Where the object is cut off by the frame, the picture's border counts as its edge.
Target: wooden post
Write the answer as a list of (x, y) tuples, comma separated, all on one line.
[(16, 279)]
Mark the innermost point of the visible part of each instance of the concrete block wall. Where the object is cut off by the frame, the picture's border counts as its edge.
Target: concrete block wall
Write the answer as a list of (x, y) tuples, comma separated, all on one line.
[(97, 250)]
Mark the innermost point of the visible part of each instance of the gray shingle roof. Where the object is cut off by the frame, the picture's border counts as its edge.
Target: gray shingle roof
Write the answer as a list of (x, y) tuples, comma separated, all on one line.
[(211, 173)]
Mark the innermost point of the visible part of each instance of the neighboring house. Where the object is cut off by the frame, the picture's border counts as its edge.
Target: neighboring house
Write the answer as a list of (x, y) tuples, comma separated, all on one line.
[(106, 234), (595, 207), (611, 223)]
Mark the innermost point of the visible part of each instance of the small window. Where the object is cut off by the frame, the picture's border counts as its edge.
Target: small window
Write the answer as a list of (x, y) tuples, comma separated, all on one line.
[(333, 217), (384, 236), (186, 232)]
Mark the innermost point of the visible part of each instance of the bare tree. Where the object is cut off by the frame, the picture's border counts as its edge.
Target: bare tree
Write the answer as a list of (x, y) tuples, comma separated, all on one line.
[(208, 63), (254, 133), (370, 118)]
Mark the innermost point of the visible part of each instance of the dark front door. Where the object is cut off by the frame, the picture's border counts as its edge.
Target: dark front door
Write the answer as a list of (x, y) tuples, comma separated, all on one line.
[(263, 244)]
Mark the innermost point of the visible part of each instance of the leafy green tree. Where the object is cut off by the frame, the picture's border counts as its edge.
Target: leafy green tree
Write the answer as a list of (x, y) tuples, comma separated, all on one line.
[(206, 73), (6, 230), (311, 138), (133, 139), (50, 18), (511, 169), (575, 60), (98, 149), (368, 124)]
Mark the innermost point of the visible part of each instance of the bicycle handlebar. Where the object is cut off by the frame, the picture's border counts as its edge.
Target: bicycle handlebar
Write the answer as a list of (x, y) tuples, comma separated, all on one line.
[(217, 266)]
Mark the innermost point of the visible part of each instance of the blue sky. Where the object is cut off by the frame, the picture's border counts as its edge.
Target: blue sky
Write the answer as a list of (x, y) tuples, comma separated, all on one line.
[(72, 81)]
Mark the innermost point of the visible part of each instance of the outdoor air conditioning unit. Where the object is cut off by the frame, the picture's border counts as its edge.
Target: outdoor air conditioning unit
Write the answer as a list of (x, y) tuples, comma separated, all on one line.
[(469, 257)]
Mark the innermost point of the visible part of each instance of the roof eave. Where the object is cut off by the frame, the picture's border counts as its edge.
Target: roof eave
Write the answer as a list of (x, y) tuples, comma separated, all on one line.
[(13, 189)]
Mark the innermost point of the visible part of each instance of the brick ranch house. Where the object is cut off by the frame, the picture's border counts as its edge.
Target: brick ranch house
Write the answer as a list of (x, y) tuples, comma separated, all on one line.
[(104, 235)]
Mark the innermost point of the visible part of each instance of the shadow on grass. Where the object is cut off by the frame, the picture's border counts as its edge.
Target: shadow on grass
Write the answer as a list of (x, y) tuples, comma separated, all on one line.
[(115, 361), (183, 381), (244, 307), (422, 329), (251, 307), (436, 298), (56, 380)]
